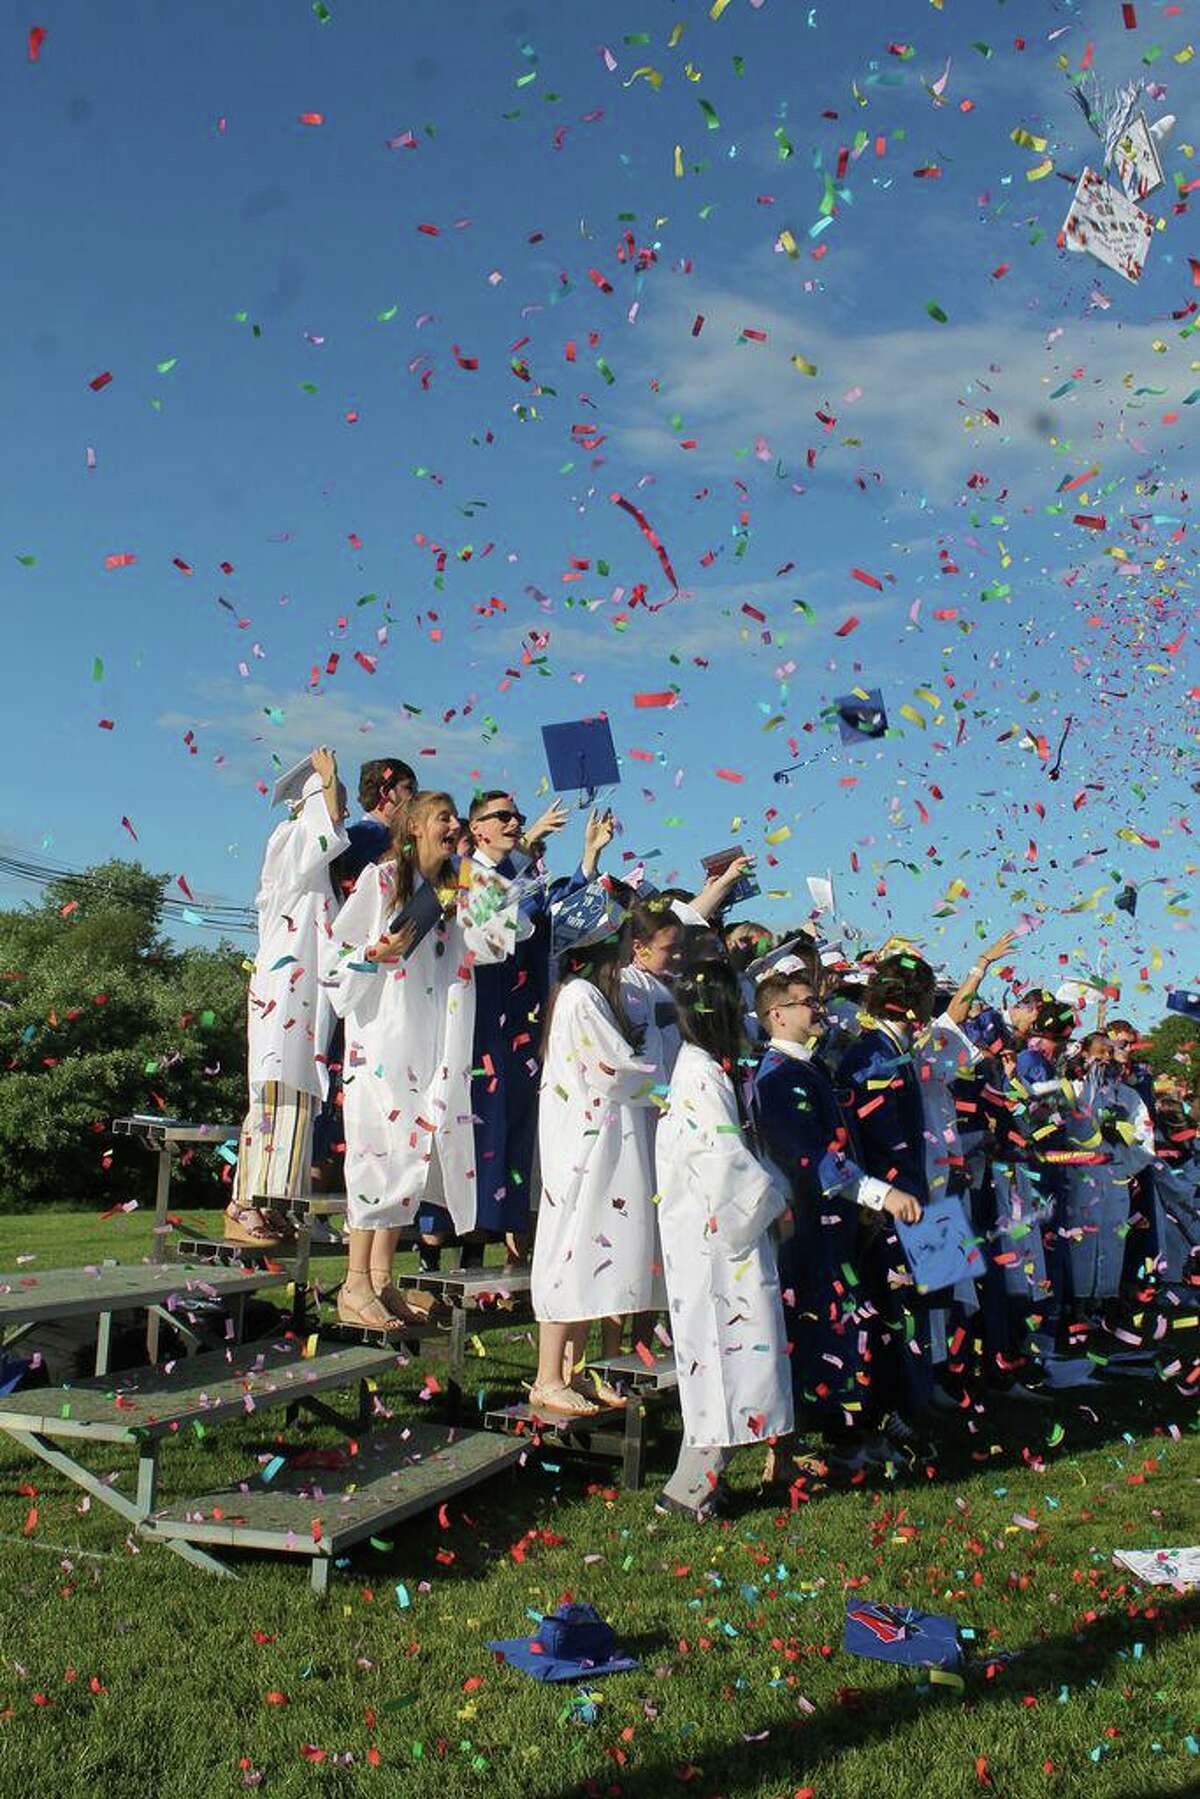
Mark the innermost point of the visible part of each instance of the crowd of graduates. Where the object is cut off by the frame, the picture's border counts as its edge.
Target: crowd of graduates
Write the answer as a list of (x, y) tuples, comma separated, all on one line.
[(856, 1198)]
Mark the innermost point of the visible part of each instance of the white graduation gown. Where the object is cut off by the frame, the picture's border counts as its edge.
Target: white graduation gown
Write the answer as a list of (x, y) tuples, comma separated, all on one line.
[(289, 1017), (716, 1205), (650, 1007), (407, 1065), (595, 1250)]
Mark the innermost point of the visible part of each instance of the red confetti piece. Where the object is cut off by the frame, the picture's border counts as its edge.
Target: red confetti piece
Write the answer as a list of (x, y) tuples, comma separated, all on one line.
[(430, 230), (649, 533), (600, 281), (464, 362), (99, 381), (1195, 268), (312, 118), (646, 700), (851, 624), (697, 324), (122, 561), (185, 568), (105, 724), (128, 826), (1129, 15), (37, 37), (860, 574), (1091, 521), (729, 774)]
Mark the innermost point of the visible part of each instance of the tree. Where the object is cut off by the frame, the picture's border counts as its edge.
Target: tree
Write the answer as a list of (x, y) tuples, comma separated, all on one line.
[(1173, 1047), (100, 1016)]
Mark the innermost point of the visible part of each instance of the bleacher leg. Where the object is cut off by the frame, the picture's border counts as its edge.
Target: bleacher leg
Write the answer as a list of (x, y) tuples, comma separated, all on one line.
[(319, 1577), (103, 1341), (635, 1433), (162, 1189)]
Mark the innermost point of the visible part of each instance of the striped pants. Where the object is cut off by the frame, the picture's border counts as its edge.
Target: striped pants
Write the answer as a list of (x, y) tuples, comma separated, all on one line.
[(275, 1145)]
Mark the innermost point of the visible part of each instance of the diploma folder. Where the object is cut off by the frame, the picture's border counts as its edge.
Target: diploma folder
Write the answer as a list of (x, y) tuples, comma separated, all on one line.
[(423, 910)]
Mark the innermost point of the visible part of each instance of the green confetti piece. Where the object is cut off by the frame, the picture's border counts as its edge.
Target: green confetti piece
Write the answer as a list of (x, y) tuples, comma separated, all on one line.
[(208, 1019), (935, 312), (524, 80), (321, 12), (710, 114), (739, 65), (382, 318), (164, 368), (605, 370), (97, 668), (784, 144), (27, 561), (308, 387), (636, 37), (985, 50)]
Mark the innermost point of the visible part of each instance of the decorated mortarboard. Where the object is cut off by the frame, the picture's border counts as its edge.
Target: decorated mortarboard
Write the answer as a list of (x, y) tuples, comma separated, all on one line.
[(573, 1643), (861, 714), (1184, 1000), (939, 1249), (580, 755), (744, 888), (988, 1030), (1138, 165), (901, 1633), (1108, 226), (289, 788), (585, 915)]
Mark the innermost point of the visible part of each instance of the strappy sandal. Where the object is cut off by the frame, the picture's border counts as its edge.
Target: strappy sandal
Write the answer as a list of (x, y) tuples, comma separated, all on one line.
[(423, 1307), (593, 1386), (359, 1319), (252, 1236), (397, 1304), (556, 1399)]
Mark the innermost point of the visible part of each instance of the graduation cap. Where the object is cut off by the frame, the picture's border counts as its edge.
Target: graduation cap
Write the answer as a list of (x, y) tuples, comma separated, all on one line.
[(1139, 166), (1108, 226), (901, 1633), (585, 916), (423, 910), (289, 788), (1185, 1001), (581, 755), (1126, 900), (861, 714), (572, 1643)]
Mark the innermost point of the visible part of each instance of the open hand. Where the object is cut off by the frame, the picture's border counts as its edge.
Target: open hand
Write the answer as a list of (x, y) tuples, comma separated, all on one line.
[(552, 819), (903, 1206), (393, 945)]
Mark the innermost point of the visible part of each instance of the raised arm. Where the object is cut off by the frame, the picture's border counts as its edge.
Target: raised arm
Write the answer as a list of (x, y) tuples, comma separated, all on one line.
[(959, 1009)]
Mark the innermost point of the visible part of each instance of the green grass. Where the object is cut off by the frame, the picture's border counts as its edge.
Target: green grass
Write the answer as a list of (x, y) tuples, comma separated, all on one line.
[(743, 1688)]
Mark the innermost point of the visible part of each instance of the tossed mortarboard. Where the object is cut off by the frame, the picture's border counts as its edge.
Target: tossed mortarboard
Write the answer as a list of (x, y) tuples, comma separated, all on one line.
[(1185, 1001), (1139, 166), (744, 888), (1108, 226), (861, 714), (290, 786), (581, 754), (1126, 900)]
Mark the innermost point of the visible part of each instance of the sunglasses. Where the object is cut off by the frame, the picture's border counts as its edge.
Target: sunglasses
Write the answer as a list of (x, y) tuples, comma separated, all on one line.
[(506, 817)]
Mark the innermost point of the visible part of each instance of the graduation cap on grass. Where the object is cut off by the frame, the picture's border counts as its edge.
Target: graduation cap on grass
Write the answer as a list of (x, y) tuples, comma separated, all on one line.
[(573, 1643), (901, 1633), (581, 756)]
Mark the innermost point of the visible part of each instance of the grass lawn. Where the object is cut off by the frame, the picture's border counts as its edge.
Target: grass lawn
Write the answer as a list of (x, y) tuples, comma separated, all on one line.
[(125, 1672)]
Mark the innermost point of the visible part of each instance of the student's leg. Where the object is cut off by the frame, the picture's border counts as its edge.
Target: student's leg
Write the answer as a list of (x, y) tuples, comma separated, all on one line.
[(560, 1346), (359, 1301), (697, 1474)]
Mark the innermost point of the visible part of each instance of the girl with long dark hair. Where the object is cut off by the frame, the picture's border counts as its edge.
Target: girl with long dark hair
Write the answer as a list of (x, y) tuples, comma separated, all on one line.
[(717, 1203)]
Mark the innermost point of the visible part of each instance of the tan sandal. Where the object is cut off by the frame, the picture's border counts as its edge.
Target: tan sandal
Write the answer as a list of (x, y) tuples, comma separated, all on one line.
[(423, 1307), (593, 1386), (252, 1236), (556, 1399), (371, 1316)]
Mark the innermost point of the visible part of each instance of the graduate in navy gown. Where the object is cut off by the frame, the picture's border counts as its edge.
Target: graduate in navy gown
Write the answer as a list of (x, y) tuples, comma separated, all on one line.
[(510, 1000), (806, 1134)]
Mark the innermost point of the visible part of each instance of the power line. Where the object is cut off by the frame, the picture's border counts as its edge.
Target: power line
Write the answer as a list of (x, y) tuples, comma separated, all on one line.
[(215, 916)]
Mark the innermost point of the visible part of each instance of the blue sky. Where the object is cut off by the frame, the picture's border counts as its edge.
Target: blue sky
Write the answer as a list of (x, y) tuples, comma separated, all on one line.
[(287, 399)]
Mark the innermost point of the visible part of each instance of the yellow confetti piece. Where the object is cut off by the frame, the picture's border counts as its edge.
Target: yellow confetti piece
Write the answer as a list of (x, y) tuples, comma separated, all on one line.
[(1040, 171), (1184, 55), (651, 75), (676, 34), (788, 242), (779, 836), (931, 699), (802, 363), (717, 8), (310, 1347), (1027, 140), (943, 1677), (912, 715), (1156, 960), (679, 162)]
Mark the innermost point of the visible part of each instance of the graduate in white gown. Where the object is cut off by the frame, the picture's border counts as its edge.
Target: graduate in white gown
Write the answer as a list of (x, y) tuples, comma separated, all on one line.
[(594, 1252), (289, 1020), (717, 1205), (408, 999)]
